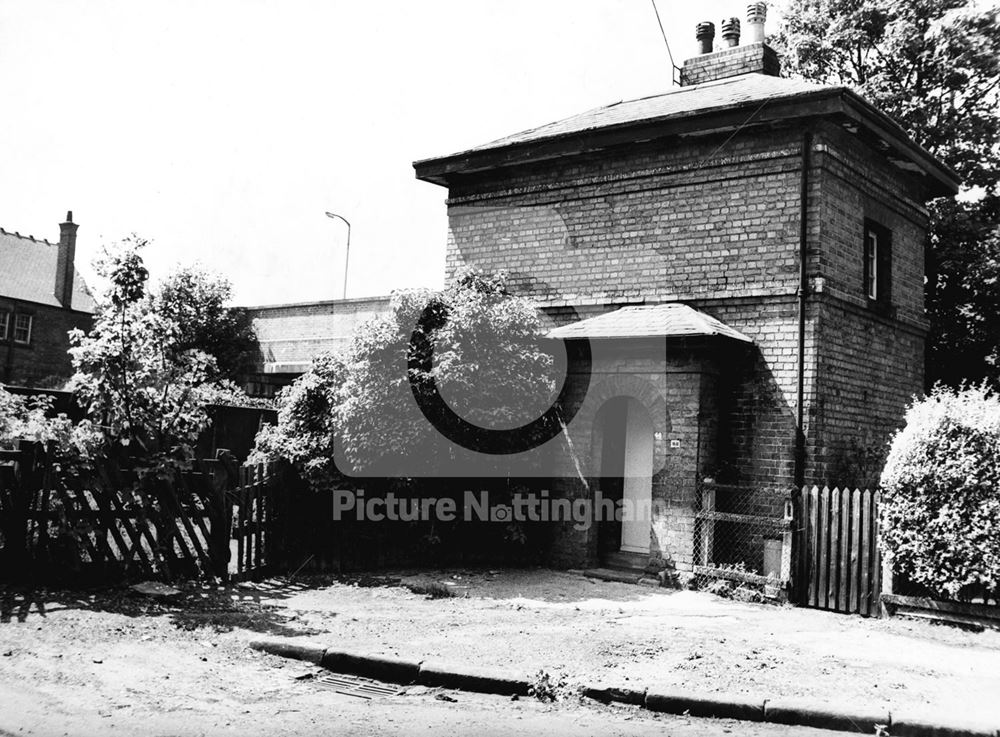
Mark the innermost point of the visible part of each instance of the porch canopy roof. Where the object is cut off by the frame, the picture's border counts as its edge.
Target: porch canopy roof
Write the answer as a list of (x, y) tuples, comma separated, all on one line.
[(649, 321)]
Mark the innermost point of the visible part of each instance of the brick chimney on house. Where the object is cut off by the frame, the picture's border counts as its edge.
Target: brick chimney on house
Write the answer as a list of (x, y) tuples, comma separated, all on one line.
[(753, 56), (65, 270)]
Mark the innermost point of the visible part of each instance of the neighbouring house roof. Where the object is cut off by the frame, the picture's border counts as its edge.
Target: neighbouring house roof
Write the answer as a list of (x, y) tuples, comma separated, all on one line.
[(725, 104), (649, 321), (291, 335), (28, 272)]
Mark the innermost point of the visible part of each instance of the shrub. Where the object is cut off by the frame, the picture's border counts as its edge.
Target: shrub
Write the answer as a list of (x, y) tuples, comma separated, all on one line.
[(940, 511), (488, 362), (30, 418)]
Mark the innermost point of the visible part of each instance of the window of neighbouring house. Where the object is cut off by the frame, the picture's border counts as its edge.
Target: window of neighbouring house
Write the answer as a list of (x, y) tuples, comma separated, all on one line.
[(877, 262), (22, 329), (4, 324)]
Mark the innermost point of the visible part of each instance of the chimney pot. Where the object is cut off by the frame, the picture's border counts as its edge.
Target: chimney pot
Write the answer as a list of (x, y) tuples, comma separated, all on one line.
[(704, 32), (731, 31), (756, 15)]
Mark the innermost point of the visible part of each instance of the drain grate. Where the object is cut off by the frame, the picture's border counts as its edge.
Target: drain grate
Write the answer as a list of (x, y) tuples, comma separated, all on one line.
[(363, 688)]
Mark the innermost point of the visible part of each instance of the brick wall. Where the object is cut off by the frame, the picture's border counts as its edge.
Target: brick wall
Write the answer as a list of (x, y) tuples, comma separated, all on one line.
[(44, 361), (676, 382), (871, 361), (675, 220)]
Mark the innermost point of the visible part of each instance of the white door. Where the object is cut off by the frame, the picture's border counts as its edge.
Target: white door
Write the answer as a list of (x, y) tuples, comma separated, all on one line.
[(637, 494)]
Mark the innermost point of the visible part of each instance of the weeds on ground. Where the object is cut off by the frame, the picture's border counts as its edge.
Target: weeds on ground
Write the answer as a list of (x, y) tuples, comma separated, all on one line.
[(550, 688), (735, 590)]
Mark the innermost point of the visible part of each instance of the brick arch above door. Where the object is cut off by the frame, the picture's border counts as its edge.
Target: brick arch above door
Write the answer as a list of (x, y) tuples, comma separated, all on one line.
[(641, 390)]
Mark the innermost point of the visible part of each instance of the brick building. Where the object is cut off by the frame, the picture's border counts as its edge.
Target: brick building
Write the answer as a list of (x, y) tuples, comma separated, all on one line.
[(744, 255), (42, 298)]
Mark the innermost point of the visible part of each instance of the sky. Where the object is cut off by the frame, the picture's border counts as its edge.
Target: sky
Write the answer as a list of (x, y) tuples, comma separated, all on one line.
[(223, 130)]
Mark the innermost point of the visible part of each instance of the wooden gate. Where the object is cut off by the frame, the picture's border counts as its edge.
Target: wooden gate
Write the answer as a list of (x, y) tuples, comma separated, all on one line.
[(255, 539), (839, 566)]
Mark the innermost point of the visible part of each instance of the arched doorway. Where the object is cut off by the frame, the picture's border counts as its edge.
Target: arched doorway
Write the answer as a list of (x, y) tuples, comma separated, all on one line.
[(625, 474)]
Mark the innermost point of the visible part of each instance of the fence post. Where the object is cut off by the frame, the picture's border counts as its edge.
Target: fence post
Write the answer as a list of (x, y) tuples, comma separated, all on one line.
[(224, 473), (787, 547), (707, 525)]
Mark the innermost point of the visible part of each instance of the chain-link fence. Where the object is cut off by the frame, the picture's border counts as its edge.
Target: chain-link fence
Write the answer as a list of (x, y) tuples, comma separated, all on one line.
[(743, 540)]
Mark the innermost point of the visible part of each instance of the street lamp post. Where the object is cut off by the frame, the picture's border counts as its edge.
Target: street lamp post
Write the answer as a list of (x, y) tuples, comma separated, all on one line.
[(347, 251)]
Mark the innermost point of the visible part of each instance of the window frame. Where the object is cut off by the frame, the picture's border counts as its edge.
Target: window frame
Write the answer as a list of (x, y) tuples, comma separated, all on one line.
[(877, 266), (4, 324), (30, 327)]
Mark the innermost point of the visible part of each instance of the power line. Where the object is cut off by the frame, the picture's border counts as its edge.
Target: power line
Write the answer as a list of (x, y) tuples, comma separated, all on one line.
[(664, 34)]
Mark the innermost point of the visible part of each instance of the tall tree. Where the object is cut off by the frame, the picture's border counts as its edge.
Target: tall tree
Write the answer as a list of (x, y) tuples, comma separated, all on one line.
[(146, 394), (933, 65)]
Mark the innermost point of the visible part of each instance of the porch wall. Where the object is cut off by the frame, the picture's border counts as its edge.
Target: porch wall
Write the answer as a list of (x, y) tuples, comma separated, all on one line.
[(677, 386)]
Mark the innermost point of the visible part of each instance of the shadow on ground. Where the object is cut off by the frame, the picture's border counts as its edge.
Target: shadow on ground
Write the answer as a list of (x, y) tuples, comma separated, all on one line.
[(221, 608), (258, 607)]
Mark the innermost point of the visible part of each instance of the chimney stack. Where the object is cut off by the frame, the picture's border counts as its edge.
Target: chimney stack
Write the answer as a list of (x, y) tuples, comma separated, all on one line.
[(754, 56), (65, 270), (731, 31), (705, 33), (756, 15)]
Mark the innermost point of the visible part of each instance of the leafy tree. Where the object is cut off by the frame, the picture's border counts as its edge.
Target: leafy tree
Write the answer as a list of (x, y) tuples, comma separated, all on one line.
[(940, 510), (195, 300), (934, 66), (964, 343)]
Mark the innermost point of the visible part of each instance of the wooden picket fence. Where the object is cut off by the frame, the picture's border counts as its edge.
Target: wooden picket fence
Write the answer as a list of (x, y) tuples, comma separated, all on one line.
[(218, 520), (839, 565)]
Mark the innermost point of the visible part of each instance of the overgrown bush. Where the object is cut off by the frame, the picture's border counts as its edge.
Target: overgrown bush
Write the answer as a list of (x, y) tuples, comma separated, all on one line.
[(488, 363), (307, 423), (30, 418), (940, 511)]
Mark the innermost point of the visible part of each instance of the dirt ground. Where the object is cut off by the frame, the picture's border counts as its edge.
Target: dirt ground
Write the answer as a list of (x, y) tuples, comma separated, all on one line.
[(63, 654)]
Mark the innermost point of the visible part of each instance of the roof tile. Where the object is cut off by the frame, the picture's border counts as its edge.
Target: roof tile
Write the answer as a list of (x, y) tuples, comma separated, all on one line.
[(683, 101), (28, 272)]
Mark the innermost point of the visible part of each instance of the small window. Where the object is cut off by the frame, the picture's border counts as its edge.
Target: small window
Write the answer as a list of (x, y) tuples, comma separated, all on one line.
[(22, 329), (871, 263), (4, 324), (877, 263)]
